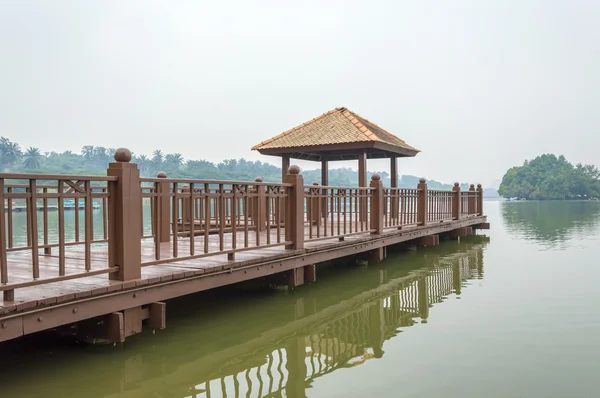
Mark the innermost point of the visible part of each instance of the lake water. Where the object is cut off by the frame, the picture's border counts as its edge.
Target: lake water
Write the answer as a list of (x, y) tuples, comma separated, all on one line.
[(513, 314)]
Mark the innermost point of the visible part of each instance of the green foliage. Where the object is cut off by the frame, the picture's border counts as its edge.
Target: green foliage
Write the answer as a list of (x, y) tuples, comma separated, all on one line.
[(93, 160), (550, 177)]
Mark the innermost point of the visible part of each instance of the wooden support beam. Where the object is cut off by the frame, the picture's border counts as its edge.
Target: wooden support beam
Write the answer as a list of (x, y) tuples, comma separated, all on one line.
[(458, 233), (133, 320), (377, 255), (115, 327), (107, 328), (469, 231), (485, 225), (157, 316), (430, 240), (295, 277), (310, 273)]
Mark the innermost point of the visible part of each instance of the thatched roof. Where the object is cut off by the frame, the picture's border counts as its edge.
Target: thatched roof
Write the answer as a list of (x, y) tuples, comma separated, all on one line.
[(339, 135)]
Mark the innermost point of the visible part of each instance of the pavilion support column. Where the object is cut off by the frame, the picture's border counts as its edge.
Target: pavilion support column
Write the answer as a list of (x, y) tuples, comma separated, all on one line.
[(362, 183), (394, 185), (285, 166), (324, 182)]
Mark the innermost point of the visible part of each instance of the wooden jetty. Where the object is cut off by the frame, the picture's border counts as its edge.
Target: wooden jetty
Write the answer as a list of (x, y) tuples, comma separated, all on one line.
[(205, 234)]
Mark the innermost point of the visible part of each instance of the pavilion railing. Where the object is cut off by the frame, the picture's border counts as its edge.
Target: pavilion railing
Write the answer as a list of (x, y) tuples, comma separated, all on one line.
[(336, 211)]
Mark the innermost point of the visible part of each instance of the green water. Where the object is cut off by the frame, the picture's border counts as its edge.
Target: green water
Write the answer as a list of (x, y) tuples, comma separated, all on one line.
[(511, 315)]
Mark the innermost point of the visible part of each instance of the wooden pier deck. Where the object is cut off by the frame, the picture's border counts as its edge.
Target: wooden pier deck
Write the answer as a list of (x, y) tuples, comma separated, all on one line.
[(121, 275)]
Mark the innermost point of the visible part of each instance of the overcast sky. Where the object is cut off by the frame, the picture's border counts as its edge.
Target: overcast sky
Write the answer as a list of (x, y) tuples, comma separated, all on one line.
[(477, 85)]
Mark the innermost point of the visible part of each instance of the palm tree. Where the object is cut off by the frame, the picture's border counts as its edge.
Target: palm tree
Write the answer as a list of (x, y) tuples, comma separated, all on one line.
[(32, 158), (145, 164), (174, 160), (10, 152), (157, 160)]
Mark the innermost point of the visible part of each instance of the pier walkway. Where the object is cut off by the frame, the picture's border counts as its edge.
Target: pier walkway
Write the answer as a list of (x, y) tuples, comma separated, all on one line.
[(152, 239)]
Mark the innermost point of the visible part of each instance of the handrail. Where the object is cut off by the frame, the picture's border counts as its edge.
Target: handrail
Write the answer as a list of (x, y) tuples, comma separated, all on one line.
[(53, 177)]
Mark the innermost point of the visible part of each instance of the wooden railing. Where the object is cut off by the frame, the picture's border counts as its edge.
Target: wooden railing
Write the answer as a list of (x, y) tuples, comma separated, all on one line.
[(43, 213), (336, 211), (470, 201), (101, 220), (226, 216)]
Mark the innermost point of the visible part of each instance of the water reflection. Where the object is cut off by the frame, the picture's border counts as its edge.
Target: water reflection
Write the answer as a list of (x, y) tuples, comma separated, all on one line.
[(258, 345), (552, 223)]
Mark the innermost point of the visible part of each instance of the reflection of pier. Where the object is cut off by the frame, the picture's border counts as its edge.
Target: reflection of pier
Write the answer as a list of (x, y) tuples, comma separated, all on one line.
[(345, 332)]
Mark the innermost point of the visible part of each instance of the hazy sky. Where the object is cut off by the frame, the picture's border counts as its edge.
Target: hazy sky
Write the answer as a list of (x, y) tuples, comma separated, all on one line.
[(477, 85)]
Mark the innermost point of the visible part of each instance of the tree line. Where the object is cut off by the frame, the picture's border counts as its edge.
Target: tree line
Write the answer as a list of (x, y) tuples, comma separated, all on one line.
[(549, 177), (93, 160)]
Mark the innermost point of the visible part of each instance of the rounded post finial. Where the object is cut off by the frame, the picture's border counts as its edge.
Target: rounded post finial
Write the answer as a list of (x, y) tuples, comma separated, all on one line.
[(258, 179), (422, 181), (122, 155), (472, 186), (479, 186), (161, 174), (375, 177), (456, 184), (294, 170)]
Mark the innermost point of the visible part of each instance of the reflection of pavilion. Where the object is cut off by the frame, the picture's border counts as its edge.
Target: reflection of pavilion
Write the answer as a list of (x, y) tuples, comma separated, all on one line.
[(348, 335)]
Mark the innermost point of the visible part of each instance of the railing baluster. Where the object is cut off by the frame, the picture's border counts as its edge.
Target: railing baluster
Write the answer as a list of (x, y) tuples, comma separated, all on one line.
[(33, 225), (47, 250), (88, 232), (190, 215), (61, 228), (175, 210), (221, 222)]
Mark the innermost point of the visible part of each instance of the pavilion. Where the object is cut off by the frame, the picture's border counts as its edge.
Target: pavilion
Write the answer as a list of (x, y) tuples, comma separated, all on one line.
[(338, 135)]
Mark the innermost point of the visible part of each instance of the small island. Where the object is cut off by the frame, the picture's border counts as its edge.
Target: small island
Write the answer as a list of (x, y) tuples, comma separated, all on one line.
[(549, 177)]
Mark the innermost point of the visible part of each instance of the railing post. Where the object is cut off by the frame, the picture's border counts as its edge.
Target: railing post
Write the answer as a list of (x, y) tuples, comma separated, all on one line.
[(376, 204), (260, 207), (456, 201), (294, 221), (479, 200), (124, 242), (472, 200), (422, 202), (164, 208)]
